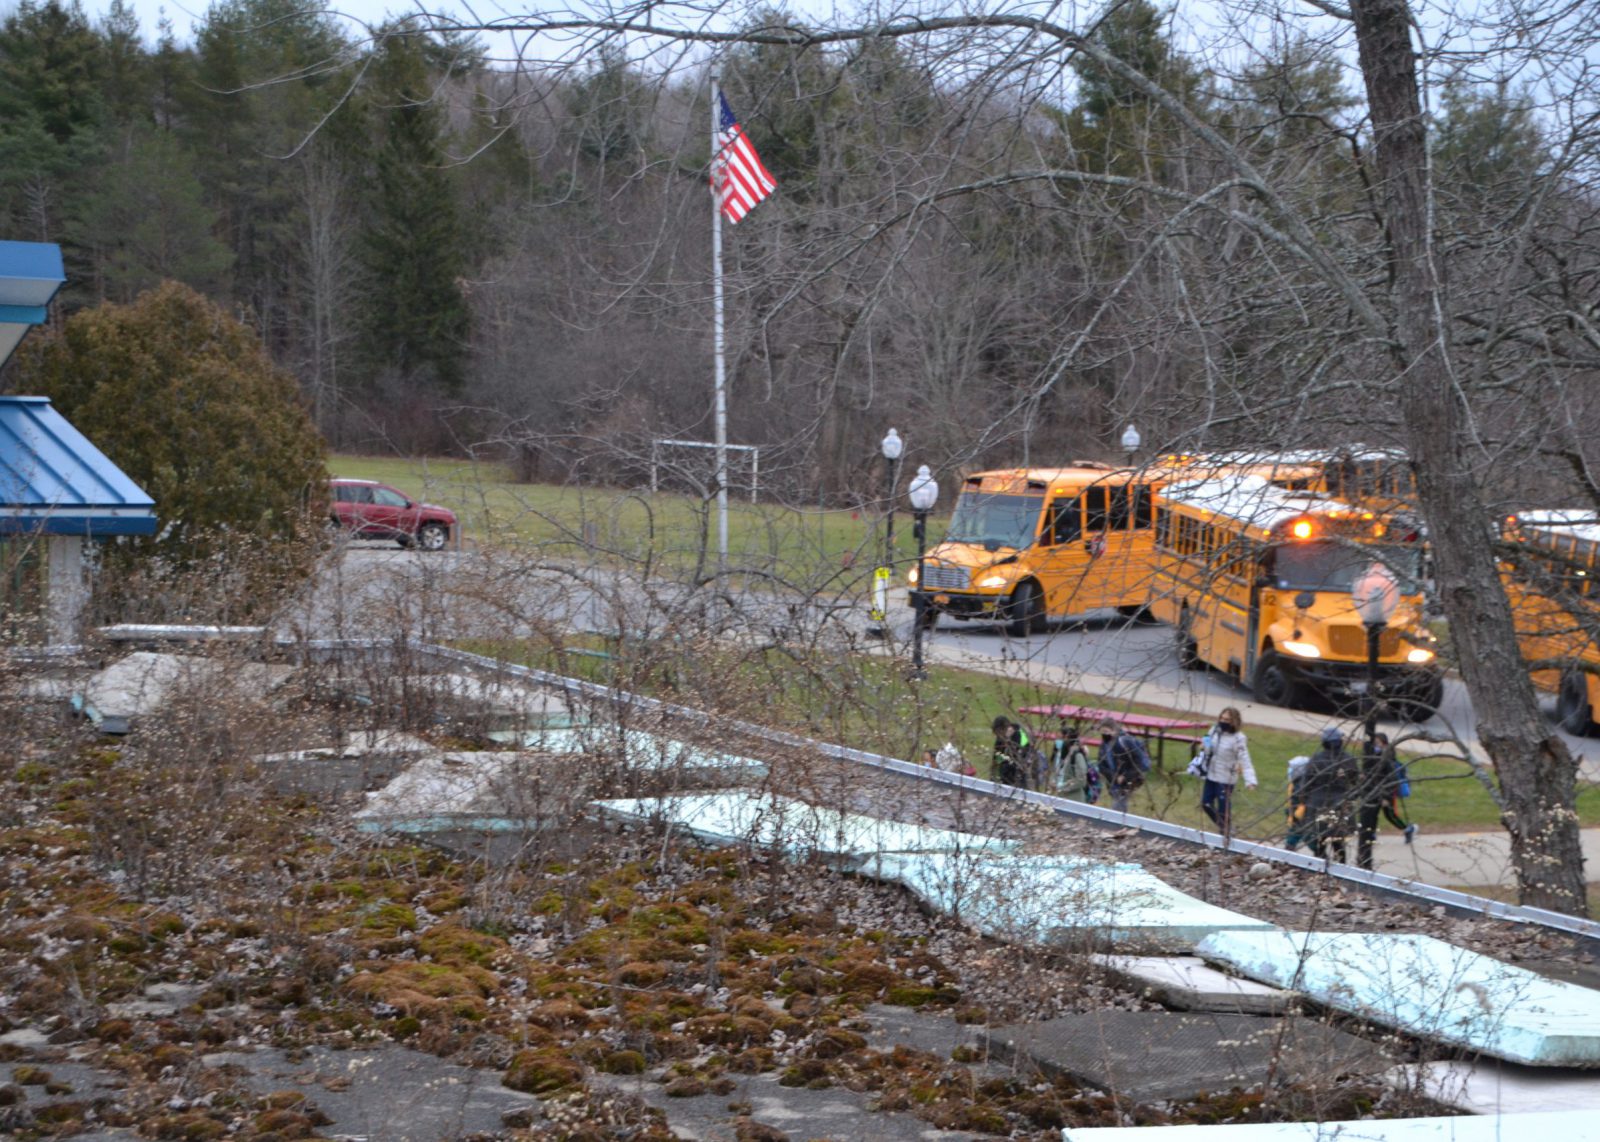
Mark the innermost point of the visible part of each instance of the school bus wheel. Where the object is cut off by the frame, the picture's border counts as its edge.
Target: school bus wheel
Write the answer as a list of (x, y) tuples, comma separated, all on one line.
[(1573, 711), (1025, 610), (1422, 704), (1275, 683), (1188, 648)]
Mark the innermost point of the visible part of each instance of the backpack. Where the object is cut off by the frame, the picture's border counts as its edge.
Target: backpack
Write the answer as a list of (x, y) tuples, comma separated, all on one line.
[(1034, 766), (1140, 757)]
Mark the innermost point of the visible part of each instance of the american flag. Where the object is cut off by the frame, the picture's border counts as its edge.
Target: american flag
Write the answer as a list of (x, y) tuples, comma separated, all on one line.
[(737, 177)]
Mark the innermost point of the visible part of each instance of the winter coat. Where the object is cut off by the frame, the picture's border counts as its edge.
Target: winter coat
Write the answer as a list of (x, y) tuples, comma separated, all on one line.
[(1229, 759), (1069, 770), (1123, 761), (1328, 782)]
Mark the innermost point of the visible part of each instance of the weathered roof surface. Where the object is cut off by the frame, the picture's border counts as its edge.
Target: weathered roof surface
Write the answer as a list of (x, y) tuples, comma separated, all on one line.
[(1428, 988), (30, 275), (792, 827), (54, 481), (1056, 899)]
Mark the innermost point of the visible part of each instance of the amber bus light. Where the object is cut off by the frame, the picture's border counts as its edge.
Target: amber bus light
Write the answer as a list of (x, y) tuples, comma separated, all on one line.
[(1302, 529)]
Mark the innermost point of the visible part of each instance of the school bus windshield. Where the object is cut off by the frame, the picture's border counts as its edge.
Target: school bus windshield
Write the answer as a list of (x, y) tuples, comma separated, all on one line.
[(1334, 566), (988, 517)]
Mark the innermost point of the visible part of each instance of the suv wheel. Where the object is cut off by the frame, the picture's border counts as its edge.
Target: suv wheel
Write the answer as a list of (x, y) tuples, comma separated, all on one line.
[(433, 536)]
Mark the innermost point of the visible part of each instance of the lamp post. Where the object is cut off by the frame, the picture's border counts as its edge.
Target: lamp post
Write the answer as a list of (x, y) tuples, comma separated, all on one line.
[(923, 493), (1375, 593), (892, 446), (1130, 442)]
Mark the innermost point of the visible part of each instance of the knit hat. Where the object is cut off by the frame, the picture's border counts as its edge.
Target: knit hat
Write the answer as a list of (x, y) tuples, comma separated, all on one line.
[(1332, 736)]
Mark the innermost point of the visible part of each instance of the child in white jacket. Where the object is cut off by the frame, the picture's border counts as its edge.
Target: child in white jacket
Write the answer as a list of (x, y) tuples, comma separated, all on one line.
[(1226, 761)]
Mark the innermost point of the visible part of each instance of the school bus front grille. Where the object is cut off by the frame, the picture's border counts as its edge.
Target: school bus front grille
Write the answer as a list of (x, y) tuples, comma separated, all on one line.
[(1351, 642), (946, 578)]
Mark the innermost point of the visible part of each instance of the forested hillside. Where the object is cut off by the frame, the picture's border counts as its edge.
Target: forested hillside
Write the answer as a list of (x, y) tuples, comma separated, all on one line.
[(455, 254)]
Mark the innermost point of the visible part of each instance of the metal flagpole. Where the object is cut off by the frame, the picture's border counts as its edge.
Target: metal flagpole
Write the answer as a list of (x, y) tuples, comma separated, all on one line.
[(717, 334)]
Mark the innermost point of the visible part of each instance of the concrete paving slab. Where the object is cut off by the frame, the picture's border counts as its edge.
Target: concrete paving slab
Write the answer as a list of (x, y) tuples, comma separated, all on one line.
[(1557, 1126), (145, 681), (511, 790), (491, 697), (1057, 900), (357, 744), (794, 828), (1158, 1055), (1188, 983), (1488, 1087), (919, 1030), (387, 1094), (471, 783), (799, 1112), (635, 750), (368, 760), (1427, 988)]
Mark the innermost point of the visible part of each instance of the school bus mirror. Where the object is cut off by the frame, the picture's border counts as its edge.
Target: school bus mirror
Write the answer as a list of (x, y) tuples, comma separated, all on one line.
[(1305, 600)]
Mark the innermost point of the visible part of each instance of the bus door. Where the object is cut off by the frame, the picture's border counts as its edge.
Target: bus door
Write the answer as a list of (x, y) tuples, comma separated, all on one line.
[(1062, 559), (1259, 582), (1115, 516)]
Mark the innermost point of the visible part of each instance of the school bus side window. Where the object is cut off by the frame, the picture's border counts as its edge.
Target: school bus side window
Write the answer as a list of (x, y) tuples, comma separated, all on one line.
[(1065, 523), (1096, 509), (1120, 515), (1142, 506)]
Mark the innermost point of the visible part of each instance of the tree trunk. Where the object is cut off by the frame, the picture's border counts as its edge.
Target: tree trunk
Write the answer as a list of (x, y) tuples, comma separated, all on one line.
[(1536, 771)]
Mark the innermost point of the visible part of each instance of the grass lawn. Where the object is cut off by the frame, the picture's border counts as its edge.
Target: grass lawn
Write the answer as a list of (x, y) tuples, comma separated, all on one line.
[(798, 545), (868, 704)]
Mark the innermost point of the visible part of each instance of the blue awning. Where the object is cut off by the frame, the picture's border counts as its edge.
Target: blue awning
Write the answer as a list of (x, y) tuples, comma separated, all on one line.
[(30, 275), (54, 482)]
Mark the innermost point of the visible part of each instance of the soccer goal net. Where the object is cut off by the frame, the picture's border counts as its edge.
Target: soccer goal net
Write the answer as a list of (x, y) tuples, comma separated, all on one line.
[(691, 465)]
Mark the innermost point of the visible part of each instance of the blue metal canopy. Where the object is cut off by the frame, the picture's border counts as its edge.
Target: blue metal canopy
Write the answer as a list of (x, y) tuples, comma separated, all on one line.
[(54, 482), (30, 275)]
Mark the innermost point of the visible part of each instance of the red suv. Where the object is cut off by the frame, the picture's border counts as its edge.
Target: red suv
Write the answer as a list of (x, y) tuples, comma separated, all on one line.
[(370, 510)]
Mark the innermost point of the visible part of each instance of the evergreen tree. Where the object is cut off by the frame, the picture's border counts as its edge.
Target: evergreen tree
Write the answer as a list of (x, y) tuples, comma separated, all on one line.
[(265, 74), (610, 111), (126, 80), (415, 319), (147, 220), (50, 63), (1115, 127), (51, 112)]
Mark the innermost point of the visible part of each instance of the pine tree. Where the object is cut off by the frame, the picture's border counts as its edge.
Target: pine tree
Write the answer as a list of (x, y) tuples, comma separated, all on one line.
[(416, 319)]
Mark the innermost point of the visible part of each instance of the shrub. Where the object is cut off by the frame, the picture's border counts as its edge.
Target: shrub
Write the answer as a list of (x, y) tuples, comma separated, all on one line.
[(183, 398)]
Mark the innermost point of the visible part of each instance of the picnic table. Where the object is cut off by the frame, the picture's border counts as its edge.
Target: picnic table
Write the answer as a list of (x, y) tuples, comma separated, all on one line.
[(1156, 731)]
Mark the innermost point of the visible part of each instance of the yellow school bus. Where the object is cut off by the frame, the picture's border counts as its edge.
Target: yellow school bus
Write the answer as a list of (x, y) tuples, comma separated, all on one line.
[(1378, 479), (1548, 569), (1256, 582), (1026, 545)]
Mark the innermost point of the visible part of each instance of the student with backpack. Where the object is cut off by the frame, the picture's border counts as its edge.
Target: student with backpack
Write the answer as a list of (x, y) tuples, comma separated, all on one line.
[(1016, 761), (1069, 765), (1382, 779), (1224, 761), (1123, 763), (1324, 795)]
